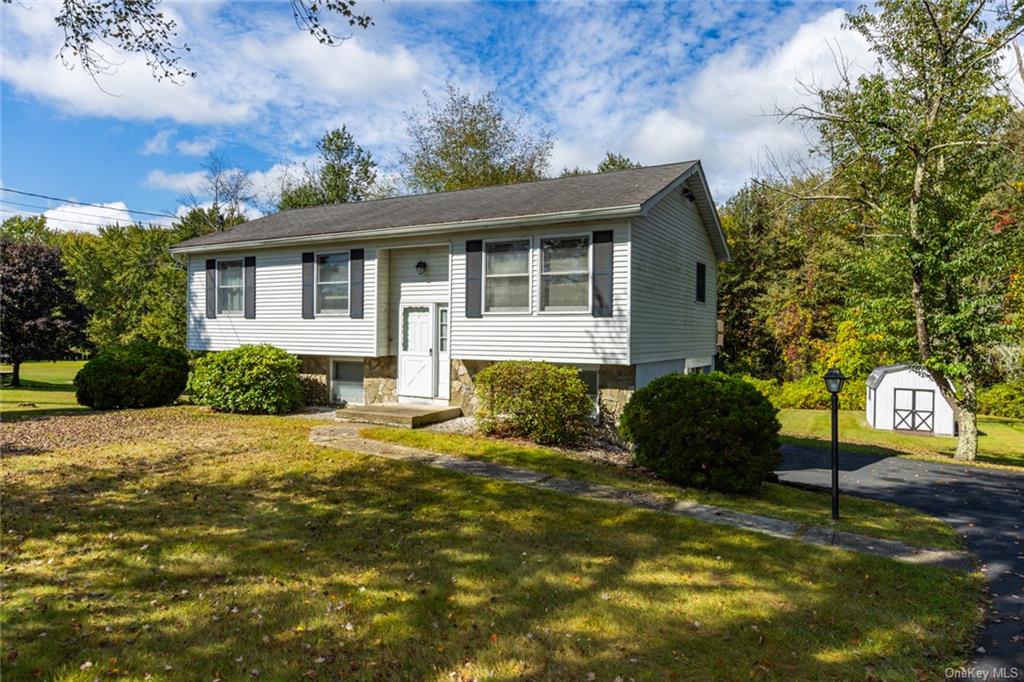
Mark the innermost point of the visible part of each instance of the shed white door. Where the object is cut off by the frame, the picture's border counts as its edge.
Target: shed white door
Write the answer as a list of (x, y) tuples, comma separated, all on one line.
[(913, 410), (416, 351)]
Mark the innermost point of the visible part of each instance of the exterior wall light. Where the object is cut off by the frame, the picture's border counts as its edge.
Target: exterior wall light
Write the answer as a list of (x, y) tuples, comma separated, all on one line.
[(421, 268)]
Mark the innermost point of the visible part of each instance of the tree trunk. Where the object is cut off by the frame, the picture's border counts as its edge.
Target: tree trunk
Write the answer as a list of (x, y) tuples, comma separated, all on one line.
[(967, 444), (15, 374)]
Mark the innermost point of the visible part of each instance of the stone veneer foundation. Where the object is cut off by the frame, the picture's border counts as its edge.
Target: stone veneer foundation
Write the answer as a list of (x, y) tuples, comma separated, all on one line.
[(380, 380)]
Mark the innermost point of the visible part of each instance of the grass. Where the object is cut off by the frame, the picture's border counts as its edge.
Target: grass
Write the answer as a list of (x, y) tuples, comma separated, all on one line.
[(45, 389), (869, 517), (179, 544), (1001, 441)]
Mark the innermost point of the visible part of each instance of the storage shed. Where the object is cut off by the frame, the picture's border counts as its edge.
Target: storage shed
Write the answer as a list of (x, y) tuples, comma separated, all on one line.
[(906, 398)]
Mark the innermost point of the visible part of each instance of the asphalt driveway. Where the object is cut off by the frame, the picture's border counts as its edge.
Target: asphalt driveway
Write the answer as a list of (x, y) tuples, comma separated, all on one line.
[(985, 505)]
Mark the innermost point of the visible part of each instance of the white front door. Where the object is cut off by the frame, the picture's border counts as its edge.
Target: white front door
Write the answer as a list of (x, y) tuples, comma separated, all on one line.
[(416, 362)]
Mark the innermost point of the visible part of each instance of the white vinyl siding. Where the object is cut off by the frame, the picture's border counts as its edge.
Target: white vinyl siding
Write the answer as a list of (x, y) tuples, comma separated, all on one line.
[(571, 338), (666, 321), (405, 285), (279, 309)]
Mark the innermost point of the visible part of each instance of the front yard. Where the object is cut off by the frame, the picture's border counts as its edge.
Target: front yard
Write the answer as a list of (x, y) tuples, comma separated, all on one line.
[(179, 544)]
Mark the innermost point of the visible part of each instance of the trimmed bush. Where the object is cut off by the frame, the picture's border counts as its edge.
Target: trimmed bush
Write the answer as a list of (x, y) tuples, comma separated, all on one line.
[(259, 379), (709, 431), (1003, 400), (545, 403), (140, 374)]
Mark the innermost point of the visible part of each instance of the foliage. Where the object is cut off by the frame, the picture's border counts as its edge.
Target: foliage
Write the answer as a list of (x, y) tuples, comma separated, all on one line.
[(537, 400), (709, 431), (315, 390), (39, 316), (19, 228), (611, 162), (1003, 400), (140, 27), (466, 142), (809, 393), (260, 379), (345, 172), (140, 374), (922, 144)]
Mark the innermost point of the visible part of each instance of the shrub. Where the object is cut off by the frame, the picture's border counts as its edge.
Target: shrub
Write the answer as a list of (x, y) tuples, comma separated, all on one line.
[(314, 389), (259, 379), (809, 393), (537, 400), (709, 431), (1003, 400), (769, 388), (140, 374)]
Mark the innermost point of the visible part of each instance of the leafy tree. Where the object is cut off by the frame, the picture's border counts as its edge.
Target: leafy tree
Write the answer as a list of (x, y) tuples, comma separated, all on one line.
[(466, 142), (26, 229), (611, 162), (139, 27), (921, 143), (223, 194), (345, 172), (39, 316)]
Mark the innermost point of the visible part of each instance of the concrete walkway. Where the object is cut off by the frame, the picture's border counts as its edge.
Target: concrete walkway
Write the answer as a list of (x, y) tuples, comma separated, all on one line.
[(985, 505), (346, 436)]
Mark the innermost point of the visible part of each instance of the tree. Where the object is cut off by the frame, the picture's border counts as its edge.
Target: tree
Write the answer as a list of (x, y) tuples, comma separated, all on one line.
[(39, 316), (26, 229), (467, 142), (345, 172), (225, 192), (139, 27), (921, 143), (611, 162)]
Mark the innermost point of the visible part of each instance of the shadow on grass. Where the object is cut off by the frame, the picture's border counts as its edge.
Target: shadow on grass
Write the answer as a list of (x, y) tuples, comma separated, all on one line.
[(390, 571)]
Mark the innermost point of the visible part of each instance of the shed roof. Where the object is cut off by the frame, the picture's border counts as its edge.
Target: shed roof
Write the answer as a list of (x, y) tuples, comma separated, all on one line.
[(878, 373), (594, 196)]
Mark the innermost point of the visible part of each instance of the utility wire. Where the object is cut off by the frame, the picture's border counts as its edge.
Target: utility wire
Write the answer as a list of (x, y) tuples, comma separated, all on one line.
[(63, 211), (83, 203), (6, 213)]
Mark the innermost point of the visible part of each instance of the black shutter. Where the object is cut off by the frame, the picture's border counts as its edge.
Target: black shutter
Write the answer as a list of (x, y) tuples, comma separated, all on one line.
[(307, 285), (355, 293), (602, 278), (474, 276), (701, 287), (250, 288), (211, 288)]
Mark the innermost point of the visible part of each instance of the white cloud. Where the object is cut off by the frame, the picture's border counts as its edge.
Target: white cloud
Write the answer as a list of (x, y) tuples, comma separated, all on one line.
[(197, 147), (175, 182), (158, 144), (75, 218)]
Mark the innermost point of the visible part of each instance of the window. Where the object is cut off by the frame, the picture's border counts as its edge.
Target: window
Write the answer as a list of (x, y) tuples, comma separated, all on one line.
[(230, 286), (347, 381), (702, 285), (507, 276), (442, 329), (332, 283), (565, 273)]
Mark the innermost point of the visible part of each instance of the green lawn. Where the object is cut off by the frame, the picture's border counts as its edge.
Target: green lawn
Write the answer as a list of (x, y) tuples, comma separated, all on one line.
[(176, 544), (1001, 441), (45, 389), (869, 517)]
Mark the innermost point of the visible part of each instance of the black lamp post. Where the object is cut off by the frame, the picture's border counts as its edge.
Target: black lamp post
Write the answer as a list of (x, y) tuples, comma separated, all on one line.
[(834, 381)]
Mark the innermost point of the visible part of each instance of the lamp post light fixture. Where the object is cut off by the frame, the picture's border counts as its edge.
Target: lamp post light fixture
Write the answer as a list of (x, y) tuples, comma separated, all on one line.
[(834, 381), (421, 268)]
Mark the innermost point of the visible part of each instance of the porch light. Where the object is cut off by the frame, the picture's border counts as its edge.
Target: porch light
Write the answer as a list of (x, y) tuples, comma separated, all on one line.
[(834, 381), (421, 268)]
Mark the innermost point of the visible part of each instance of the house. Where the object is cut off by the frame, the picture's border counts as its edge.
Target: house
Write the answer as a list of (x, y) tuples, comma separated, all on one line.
[(906, 398), (404, 300)]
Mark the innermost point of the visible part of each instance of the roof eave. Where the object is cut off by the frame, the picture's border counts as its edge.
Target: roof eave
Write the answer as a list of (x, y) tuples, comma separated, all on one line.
[(608, 213)]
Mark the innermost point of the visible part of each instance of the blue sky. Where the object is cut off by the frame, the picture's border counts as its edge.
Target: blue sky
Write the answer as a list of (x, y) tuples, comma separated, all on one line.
[(658, 82)]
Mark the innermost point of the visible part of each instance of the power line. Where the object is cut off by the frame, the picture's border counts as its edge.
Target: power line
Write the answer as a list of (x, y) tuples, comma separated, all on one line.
[(62, 211), (83, 203), (11, 213)]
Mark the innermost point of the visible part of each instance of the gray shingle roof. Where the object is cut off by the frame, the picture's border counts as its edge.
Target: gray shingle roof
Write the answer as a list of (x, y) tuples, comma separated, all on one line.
[(557, 195)]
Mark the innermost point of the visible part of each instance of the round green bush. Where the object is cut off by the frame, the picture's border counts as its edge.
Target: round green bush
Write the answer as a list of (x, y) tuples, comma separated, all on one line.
[(140, 374), (1002, 400), (710, 431), (259, 379), (537, 400)]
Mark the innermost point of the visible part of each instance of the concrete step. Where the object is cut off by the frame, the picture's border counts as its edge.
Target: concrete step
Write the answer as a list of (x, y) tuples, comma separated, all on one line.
[(404, 416)]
